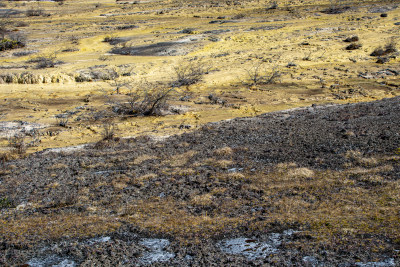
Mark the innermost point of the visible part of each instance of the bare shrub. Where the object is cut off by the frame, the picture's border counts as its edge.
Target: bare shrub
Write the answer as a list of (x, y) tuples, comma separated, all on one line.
[(388, 49), (22, 140), (145, 99), (4, 23), (45, 61), (272, 5), (60, 2), (353, 46), (62, 119), (257, 74), (110, 39), (108, 132), (351, 39), (336, 7), (188, 73), (35, 12), (18, 143)]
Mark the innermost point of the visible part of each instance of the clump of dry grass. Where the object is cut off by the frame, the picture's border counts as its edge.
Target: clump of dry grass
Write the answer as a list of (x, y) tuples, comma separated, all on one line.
[(224, 151), (301, 172), (180, 159), (234, 176), (143, 158), (357, 158), (54, 227), (202, 200)]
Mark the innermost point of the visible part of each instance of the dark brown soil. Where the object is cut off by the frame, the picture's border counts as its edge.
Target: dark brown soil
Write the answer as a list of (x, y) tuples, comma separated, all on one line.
[(316, 137)]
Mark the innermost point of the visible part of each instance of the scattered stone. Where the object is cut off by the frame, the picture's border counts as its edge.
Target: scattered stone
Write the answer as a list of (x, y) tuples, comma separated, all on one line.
[(382, 9), (217, 31), (250, 248), (267, 28), (382, 60), (351, 39), (253, 248), (187, 31), (51, 260), (310, 261), (386, 263), (353, 46), (101, 239), (156, 251), (127, 27)]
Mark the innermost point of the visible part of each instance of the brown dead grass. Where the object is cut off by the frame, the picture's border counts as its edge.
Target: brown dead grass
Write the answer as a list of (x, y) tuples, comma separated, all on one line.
[(39, 228)]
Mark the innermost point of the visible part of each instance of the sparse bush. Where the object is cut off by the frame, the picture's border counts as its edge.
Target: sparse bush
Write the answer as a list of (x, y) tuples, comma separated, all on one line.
[(127, 27), (353, 46), (145, 99), (21, 24), (70, 49), (35, 12), (272, 5), (336, 7), (74, 39), (257, 75), (45, 61), (60, 2), (239, 16), (11, 42), (382, 60), (108, 131), (189, 73), (110, 39), (62, 120), (18, 143), (105, 58), (5, 203), (388, 49), (351, 39)]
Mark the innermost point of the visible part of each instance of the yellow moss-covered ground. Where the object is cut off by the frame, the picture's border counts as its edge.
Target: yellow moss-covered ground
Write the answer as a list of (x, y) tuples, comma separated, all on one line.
[(324, 72)]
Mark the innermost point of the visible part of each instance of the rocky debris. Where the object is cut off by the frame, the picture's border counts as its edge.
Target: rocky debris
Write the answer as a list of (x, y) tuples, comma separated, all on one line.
[(51, 260), (351, 39), (382, 74), (30, 78), (216, 31), (336, 10), (315, 137), (127, 27), (386, 263), (382, 9), (267, 28), (310, 261), (100, 239), (156, 251), (9, 129), (253, 248), (175, 48)]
